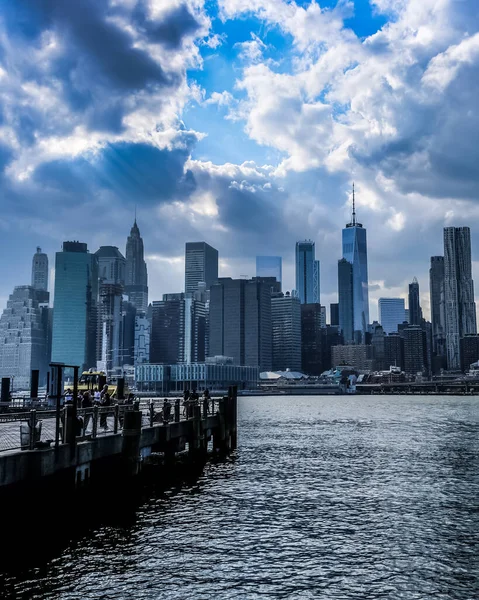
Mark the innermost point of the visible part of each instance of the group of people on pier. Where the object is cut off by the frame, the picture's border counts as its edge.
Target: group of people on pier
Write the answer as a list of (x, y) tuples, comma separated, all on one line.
[(192, 399)]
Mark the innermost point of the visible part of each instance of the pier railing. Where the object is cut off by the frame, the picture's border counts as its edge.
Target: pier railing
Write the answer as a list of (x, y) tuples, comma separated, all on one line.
[(41, 428)]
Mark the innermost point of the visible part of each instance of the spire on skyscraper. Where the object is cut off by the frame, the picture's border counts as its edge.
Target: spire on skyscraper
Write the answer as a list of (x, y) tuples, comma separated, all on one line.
[(354, 208), (136, 277)]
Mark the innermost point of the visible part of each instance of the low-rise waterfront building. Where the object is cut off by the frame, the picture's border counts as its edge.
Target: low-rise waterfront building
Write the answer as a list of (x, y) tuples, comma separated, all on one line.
[(217, 373)]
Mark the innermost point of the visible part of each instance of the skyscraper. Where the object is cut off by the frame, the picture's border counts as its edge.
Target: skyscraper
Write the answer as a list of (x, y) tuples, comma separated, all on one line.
[(436, 289), (415, 310), (111, 269), (460, 308), (40, 270), (240, 322), (76, 306), (346, 300), (201, 264), (307, 272), (355, 252), (391, 313), (23, 337), (414, 350), (286, 327), (334, 314), (136, 275), (270, 266), (178, 329)]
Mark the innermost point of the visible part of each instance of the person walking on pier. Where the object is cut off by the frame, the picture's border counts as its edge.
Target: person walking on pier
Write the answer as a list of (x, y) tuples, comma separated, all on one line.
[(87, 404), (206, 399), (97, 397), (166, 411), (106, 401)]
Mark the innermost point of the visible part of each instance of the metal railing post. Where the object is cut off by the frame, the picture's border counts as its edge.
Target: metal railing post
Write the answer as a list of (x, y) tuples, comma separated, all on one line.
[(151, 408), (94, 428), (117, 418), (32, 428), (177, 410)]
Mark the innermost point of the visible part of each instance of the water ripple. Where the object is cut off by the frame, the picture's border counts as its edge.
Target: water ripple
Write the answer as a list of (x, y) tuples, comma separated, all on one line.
[(330, 498)]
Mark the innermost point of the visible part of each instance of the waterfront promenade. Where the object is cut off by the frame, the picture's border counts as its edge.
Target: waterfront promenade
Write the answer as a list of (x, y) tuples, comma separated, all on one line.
[(60, 452)]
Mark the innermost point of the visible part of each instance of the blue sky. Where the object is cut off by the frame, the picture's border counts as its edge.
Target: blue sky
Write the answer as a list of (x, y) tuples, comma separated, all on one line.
[(242, 123)]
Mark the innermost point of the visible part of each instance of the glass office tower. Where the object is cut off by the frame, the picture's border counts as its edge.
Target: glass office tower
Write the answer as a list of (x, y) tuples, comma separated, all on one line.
[(201, 265), (307, 272), (355, 252), (391, 313), (76, 306), (270, 266)]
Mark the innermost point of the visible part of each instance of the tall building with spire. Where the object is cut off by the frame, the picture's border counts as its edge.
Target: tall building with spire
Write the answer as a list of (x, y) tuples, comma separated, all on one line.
[(136, 276), (356, 253)]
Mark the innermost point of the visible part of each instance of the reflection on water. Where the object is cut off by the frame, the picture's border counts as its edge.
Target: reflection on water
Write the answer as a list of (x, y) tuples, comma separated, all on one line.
[(327, 497)]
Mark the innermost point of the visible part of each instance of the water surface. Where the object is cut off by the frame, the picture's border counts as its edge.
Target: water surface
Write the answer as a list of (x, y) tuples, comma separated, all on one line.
[(327, 497)]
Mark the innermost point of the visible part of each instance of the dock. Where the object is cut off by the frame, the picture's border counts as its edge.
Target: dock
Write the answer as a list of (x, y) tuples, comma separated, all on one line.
[(58, 453)]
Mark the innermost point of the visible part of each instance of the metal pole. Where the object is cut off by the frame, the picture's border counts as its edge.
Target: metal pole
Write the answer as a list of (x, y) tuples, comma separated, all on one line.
[(32, 428), (74, 410), (58, 405)]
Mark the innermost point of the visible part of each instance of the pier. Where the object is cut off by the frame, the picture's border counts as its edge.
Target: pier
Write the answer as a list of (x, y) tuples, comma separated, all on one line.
[(453, 388), (47, 450)]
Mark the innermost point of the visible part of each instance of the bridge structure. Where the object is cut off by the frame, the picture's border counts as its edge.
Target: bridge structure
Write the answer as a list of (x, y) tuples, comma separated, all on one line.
[(59, 451)]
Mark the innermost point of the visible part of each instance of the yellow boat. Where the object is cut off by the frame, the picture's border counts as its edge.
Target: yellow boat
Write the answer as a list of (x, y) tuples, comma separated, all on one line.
[(91, 380)]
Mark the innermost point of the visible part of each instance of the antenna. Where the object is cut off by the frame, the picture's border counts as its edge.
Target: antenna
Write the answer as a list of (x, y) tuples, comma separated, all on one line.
[(354, 208), (135, 212)]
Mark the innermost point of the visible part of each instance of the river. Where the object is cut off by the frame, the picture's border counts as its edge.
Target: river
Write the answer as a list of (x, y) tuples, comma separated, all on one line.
[(331, 497)]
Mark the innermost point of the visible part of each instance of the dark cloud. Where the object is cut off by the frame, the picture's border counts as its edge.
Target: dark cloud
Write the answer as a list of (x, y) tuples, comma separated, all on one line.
[(133, 173), (173, 28), (83, 26)]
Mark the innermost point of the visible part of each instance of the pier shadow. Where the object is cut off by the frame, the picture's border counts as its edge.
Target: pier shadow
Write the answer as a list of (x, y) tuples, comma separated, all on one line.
[(42, 527)]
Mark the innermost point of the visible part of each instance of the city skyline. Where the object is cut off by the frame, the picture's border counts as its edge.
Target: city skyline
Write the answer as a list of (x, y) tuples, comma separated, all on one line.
[(330, 297), (192, 137)]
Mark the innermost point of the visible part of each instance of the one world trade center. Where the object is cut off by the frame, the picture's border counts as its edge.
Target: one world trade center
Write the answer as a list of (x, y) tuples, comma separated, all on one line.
[(355, 252)]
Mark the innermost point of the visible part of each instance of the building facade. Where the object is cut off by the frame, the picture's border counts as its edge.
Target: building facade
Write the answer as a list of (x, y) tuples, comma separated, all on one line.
[(111, 271), (240, 322), (414, 350), (40, 271), (357, 356), (460, 308), (414, 303), (136, 274), (438, 316), (311, 340), (378, 337), (355, 251), (75, 315), (391, 313), (286, 328), (346, 300), (142, 339), (214, 375), (334, 314), (394, 351), (201, 265), (270, 266), (178, 332), (307, 273), (23, 337), (469, 351)]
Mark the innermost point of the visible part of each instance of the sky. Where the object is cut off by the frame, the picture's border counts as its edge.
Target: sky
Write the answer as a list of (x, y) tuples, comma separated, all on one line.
[(242, 123)]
